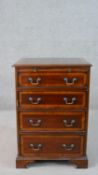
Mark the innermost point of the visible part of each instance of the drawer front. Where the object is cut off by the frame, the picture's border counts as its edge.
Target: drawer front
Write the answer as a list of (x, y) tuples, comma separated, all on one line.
[(28, 79), (52, 121), (40, 145), (52, 99)]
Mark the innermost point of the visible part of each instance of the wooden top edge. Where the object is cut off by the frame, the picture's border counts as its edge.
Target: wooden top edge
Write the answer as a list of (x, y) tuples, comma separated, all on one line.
[(51, 62)]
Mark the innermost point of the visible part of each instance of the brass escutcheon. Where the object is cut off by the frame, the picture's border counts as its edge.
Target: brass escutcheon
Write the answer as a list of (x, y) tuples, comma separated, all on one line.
[(34, 69), (69, 70)]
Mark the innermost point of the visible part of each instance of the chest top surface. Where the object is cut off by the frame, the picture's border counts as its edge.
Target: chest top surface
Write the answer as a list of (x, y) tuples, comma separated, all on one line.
[(51, 62)]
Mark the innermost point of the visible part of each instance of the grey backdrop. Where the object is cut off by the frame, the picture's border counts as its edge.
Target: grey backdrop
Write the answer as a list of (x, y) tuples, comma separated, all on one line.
[(46, 28)]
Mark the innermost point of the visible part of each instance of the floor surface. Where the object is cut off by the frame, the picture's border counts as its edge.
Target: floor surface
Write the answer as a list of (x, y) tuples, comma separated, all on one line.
[(8, 151)]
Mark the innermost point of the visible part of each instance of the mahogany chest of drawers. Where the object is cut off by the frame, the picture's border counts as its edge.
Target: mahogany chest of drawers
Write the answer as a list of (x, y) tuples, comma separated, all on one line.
[(52, 103)]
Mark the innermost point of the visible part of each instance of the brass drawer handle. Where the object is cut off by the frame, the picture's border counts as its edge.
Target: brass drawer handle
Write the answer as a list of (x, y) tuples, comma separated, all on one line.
[(68, 147), (38, 100), (36, 82), (71, 124), (73, 80), (35, 147), (35, 124), (73, 100)]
